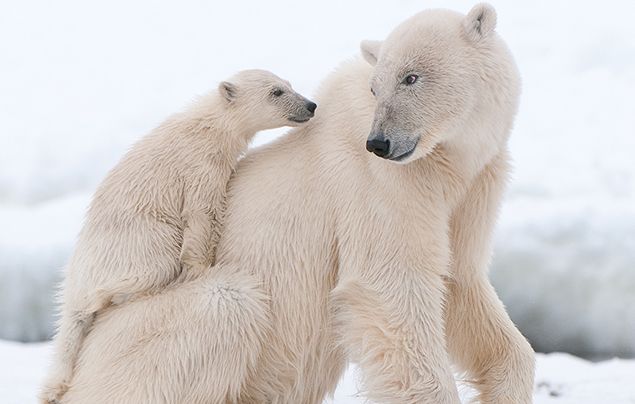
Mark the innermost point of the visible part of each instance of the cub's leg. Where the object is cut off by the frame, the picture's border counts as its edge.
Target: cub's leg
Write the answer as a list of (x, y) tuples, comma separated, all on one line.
[(203, 212), (79, 308), (481, 337), (76, 319)]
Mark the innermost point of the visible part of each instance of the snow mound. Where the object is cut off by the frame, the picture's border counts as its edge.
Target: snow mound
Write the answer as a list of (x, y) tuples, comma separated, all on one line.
[(565, 269)]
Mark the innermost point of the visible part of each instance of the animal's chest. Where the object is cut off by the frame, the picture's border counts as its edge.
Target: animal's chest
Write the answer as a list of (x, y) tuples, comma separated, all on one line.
[(391, 225)]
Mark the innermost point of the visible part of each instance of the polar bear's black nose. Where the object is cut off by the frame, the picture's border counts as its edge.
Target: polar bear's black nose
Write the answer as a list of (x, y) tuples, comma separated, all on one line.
[(311, 106), (378, 145)]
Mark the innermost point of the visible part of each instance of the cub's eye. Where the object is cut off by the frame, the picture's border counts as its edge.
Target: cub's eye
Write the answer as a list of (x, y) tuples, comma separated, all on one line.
[(372, 91), (410, 79), (277, 92)]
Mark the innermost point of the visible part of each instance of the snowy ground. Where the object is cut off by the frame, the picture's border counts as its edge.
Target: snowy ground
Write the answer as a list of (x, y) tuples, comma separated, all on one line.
[(82, 80), (560, 379)]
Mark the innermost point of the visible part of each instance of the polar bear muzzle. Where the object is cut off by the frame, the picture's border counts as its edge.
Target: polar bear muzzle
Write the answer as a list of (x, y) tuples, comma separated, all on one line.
[(397, 148)]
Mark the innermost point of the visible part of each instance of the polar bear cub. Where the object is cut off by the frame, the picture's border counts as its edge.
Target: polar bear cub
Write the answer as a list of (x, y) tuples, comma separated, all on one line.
[(158, 213)]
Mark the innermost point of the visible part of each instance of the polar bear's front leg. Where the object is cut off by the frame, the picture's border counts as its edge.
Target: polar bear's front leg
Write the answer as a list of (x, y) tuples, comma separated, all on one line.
[(396, 336), (202, 222), (196, 251), (481, 337)]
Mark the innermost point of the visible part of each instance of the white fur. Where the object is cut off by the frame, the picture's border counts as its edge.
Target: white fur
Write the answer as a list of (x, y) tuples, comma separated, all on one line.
[(331, 254), (157, 216)]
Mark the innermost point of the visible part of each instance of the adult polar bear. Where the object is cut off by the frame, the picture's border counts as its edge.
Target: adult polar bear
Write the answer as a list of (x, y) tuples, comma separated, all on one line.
[(330, 253)]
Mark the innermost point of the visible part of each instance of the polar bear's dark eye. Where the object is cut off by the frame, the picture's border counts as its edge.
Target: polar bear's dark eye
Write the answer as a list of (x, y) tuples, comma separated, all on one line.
[(372, 91), (410, 79), (277, 92)]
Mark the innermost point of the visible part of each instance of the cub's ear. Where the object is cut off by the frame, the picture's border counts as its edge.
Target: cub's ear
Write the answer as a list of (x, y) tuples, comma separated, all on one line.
[(370, 51), (480, 22), (227, 90)]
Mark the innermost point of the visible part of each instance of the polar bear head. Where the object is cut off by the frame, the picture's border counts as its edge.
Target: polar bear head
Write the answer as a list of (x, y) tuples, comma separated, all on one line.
[(439, 77), (261, 100)]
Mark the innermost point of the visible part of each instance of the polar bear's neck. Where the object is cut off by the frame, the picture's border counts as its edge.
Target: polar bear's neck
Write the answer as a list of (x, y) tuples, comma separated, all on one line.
[(210, 129), (211, 111)]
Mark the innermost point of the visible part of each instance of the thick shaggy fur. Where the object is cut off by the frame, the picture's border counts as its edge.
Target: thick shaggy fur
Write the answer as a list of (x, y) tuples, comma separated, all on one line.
[(330, 253), (157, 215)]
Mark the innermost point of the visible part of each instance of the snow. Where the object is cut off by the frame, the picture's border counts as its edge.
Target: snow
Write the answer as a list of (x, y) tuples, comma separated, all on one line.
[(81, 81), (560, 378), (22, 370), (577, 293), (33, 253)]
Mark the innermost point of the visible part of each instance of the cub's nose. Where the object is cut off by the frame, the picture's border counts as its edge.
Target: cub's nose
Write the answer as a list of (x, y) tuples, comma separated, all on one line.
[(379, 146), (311, 106)]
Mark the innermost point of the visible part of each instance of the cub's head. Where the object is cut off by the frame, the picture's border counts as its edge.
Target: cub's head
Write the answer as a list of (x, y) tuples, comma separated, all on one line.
[(263, 100), (438, 76)]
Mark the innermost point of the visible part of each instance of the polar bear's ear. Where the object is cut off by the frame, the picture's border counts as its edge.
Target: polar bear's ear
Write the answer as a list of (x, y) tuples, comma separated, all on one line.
[(227, 90), (480, 22), (370, 51)]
